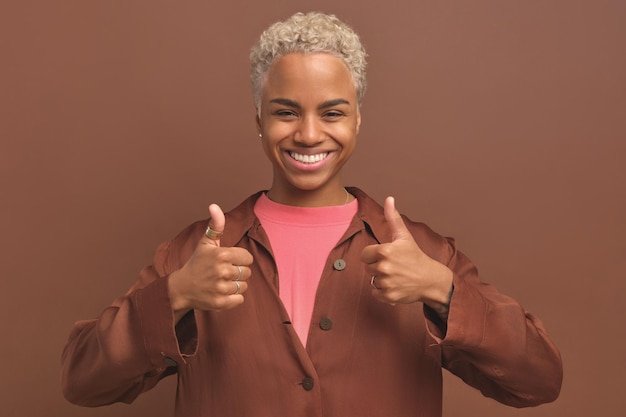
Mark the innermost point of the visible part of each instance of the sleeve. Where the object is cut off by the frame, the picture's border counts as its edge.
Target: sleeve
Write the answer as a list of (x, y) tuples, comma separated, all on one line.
[(492, 343), (133, 343)]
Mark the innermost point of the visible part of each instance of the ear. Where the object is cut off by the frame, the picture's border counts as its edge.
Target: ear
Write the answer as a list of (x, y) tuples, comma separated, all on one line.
[(358, 121)]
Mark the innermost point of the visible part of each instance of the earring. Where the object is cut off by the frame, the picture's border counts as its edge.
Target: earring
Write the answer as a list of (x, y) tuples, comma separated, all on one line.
[(261, 135)]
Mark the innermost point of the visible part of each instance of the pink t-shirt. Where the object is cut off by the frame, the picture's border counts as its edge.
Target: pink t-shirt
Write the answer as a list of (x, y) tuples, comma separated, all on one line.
[(301, 239)]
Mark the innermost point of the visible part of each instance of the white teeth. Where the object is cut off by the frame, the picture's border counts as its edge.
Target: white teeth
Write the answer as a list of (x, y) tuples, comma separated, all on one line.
[(308, 159)]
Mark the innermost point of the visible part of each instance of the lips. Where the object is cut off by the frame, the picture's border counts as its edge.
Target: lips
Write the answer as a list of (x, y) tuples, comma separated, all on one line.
[(309, 159)]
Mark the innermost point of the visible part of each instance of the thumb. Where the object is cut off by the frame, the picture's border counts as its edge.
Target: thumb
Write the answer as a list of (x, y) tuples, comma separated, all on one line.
[(398, 229), (217, 222)]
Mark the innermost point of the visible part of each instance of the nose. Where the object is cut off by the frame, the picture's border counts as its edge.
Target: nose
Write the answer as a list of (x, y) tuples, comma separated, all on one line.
[(309, 132)]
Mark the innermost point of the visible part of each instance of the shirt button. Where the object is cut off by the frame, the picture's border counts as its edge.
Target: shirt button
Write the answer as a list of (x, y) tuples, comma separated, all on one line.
[(308, 383), (339, 265), (326, 324)]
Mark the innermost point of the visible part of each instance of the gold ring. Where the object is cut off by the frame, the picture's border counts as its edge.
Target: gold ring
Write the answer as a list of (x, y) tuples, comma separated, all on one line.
[(212, 234)]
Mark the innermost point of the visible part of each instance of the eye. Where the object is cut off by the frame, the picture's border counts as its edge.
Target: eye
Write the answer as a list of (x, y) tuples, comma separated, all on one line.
[(285, 113), (333, 114)]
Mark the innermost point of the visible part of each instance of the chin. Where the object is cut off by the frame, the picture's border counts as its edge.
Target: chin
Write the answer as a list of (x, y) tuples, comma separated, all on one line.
[(310, 185)]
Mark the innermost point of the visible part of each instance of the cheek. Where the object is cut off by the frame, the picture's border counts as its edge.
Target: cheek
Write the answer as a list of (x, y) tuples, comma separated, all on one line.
[(267, 149), (278, 131), (270, 148), (348, 136)]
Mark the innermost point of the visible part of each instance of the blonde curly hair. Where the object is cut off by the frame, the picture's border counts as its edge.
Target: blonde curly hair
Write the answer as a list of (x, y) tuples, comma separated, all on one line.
[(307, 33)]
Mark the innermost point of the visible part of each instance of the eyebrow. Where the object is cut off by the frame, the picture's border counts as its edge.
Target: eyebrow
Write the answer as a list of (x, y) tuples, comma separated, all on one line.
[(324, 105)]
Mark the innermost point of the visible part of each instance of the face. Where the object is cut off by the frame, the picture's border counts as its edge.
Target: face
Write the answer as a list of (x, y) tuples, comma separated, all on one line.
[(309, 120)]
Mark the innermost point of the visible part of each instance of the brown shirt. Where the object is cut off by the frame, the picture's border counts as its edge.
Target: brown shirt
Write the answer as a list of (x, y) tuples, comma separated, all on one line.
[(363, 357)]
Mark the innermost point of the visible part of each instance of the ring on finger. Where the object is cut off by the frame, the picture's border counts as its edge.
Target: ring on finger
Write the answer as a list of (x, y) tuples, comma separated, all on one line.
[(240, 272), (212, 234), (372, 282), (238, 290)]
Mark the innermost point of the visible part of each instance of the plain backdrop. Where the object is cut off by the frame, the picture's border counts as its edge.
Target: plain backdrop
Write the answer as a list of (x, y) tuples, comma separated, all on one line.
[(501, 123)]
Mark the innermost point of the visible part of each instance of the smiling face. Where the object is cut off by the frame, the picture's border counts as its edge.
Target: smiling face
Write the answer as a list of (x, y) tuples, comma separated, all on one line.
[(309, 120)]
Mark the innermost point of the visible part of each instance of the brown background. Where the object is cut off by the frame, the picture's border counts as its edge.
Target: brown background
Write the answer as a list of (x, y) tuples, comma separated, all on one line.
[(498, 122)]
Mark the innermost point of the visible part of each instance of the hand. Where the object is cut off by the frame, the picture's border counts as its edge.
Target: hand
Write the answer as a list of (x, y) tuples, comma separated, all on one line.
[(403, 272), (214, 278)]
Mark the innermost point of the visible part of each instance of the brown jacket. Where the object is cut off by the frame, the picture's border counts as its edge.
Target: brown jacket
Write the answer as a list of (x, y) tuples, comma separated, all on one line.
[(363, 357)]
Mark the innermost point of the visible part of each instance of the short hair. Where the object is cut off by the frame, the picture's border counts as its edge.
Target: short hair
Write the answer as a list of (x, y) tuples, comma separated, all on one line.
[(308, 33)]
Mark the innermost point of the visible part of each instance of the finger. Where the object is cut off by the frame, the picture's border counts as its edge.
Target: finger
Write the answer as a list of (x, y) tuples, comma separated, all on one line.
[(369, 254), (240, 287), (241, 273), (398, 229), (237, 287), (240, 256), (381, 295), (217, 223)]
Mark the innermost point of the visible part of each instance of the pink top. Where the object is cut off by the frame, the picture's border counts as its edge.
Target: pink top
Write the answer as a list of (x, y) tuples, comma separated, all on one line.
[(301, 239)]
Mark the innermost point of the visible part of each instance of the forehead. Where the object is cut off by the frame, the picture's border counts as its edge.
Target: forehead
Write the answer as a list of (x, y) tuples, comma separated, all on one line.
[(299, 74)]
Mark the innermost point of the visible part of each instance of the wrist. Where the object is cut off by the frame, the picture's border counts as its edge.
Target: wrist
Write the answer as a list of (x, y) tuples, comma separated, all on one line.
[(442, 294), (178, 302)]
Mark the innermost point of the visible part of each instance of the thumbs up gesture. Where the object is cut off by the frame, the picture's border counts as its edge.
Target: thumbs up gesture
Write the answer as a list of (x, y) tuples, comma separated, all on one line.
[(214, 277), (401, 272)]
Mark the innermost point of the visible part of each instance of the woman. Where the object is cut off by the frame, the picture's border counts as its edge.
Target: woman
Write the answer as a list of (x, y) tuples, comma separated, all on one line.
[(310, 299)]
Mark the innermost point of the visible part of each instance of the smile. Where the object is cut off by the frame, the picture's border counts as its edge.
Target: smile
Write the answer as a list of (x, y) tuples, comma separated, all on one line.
[(308, 159)]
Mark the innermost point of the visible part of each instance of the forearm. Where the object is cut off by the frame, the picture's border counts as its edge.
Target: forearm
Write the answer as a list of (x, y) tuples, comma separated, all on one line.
[(500, 349), (490, 341), (90, 373), (124, 352)]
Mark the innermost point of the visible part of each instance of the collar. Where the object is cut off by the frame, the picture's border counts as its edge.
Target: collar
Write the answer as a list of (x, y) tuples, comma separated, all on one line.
[(241, 220)]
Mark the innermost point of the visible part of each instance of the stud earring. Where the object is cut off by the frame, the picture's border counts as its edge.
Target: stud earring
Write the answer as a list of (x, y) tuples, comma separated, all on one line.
[(261, 135)]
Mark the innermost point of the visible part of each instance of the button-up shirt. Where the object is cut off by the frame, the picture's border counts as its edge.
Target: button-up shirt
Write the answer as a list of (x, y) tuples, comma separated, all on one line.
[(362, 357)]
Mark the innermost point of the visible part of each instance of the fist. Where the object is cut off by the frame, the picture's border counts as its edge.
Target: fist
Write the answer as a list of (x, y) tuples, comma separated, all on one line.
[(401, 272), (214, 277)]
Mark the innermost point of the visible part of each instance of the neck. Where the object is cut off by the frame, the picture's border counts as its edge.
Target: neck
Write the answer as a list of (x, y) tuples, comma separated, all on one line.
[(305, 198)]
